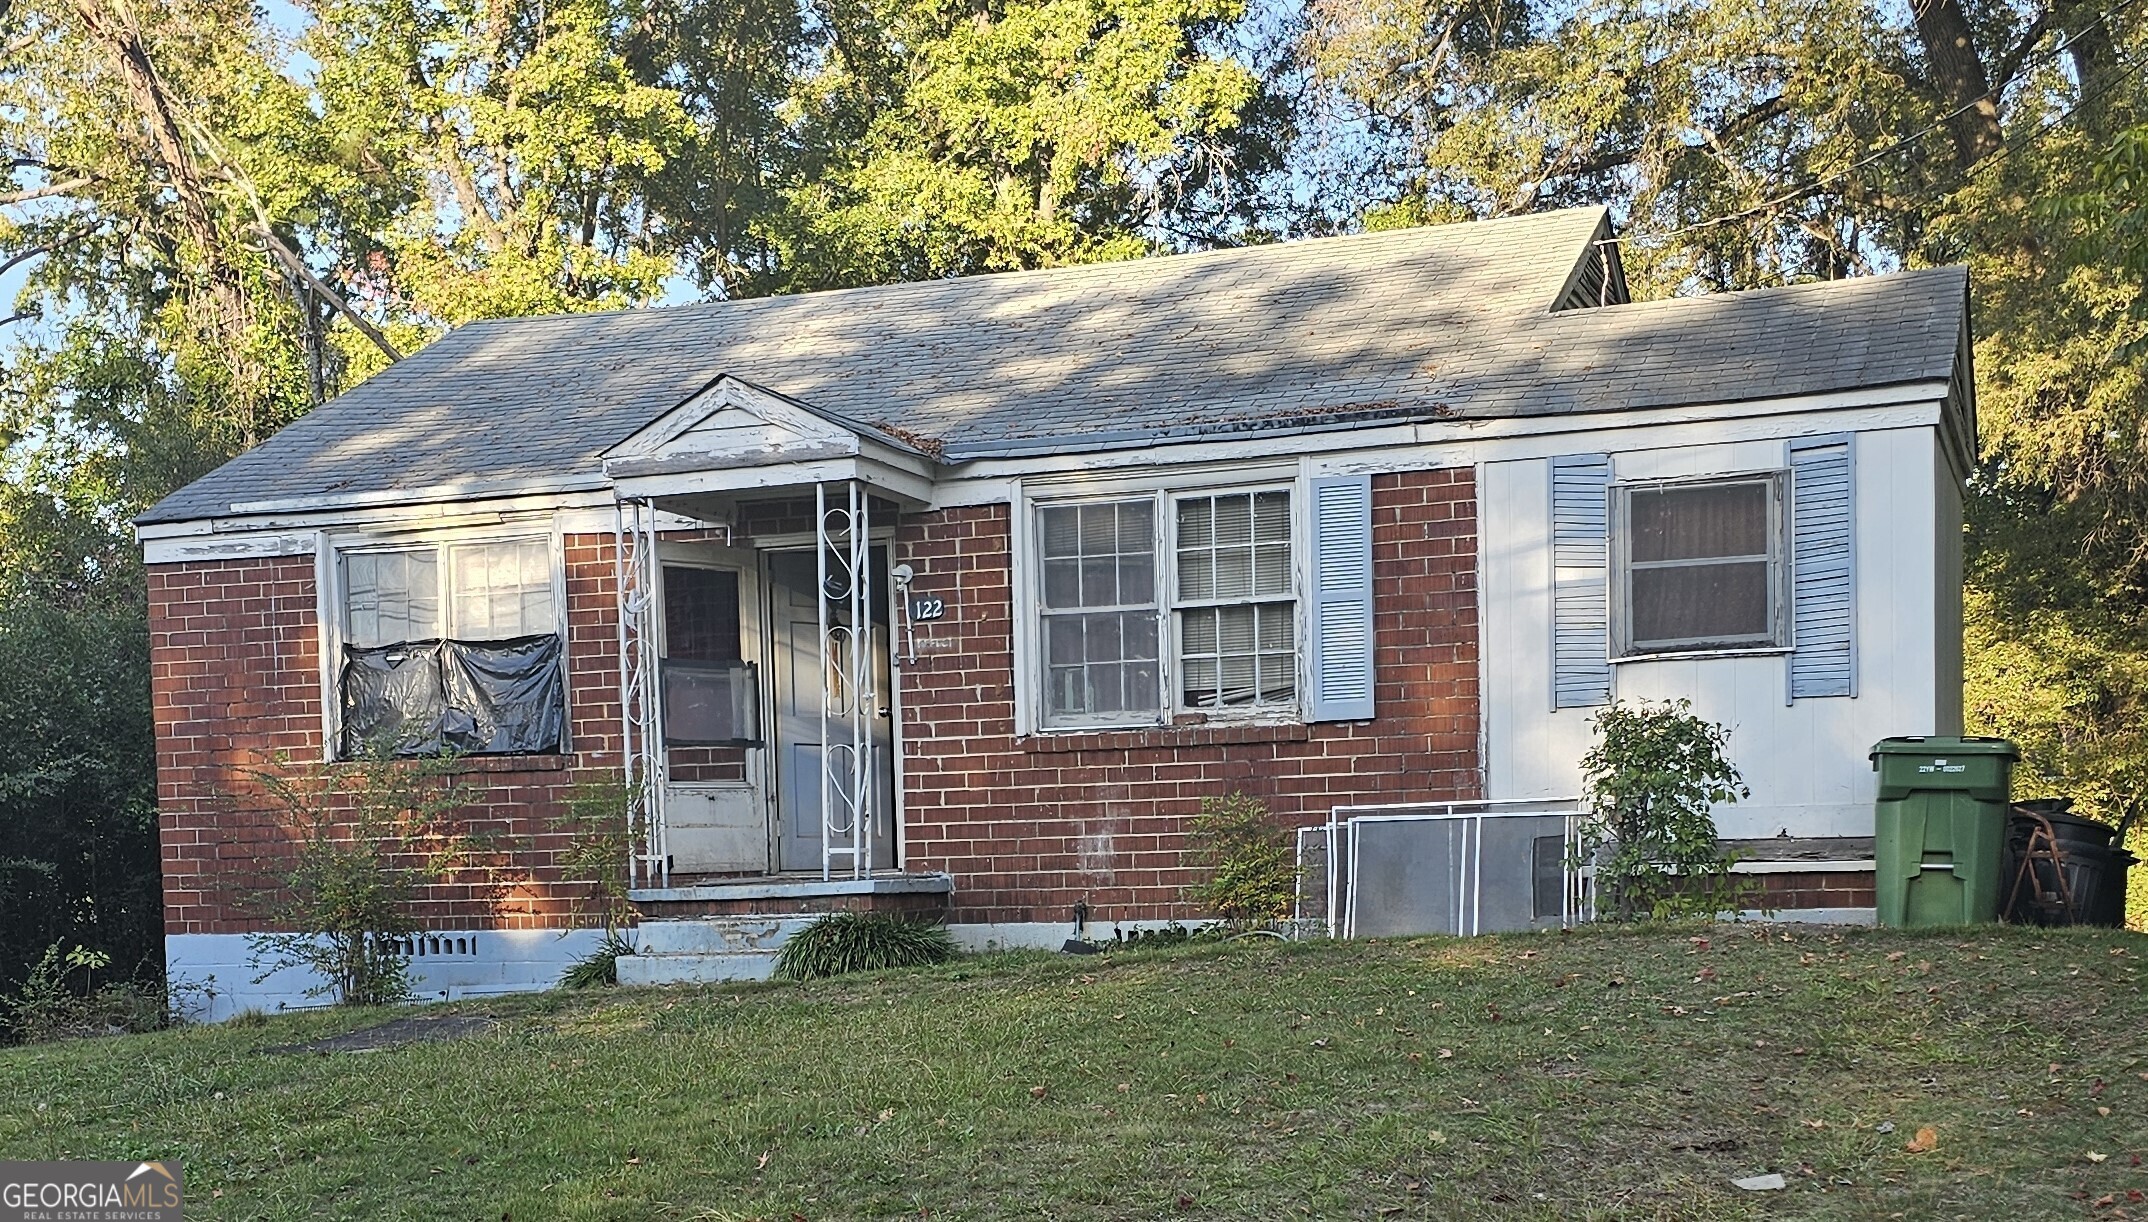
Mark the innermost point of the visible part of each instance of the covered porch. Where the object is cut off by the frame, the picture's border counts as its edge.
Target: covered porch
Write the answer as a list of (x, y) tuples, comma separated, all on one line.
[(761, 607)]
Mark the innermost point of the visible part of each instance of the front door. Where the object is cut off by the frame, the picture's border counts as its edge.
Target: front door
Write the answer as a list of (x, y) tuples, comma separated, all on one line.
[(795, 645), (715, 817)]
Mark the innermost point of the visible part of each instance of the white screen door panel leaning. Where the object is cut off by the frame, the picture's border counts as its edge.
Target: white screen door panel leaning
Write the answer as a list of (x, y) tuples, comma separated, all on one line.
[(715, 812)]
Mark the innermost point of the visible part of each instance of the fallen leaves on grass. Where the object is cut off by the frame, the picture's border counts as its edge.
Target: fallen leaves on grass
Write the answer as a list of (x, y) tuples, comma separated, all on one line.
[(1926, 1140)]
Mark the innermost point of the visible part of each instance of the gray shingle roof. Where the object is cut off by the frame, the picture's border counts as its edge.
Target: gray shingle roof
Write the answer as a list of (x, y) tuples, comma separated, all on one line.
[(1448, 320)]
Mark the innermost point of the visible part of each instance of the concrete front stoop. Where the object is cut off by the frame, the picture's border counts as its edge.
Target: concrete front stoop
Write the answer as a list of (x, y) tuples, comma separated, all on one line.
[(706, 950)]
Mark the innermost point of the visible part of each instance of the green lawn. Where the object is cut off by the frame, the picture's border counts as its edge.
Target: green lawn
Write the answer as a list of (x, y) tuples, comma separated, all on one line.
[(1597, 1074)]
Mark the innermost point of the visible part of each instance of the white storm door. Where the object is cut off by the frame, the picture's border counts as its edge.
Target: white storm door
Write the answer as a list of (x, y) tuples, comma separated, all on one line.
[(715, 813)]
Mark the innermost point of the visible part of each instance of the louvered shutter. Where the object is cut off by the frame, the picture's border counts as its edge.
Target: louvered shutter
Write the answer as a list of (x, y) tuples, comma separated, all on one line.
[(1580, 581), (1822, 564), (1341, 548)]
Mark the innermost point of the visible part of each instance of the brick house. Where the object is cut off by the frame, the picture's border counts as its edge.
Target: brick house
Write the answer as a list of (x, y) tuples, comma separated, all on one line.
[(959, 597)]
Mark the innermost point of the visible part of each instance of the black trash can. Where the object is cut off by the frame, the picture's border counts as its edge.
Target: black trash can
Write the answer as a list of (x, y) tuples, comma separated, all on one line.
[(2092, 865)]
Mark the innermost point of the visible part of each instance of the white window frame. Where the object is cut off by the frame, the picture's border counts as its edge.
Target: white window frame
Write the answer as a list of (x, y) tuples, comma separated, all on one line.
[(329, 609), (1032, 715), (1778, 640)]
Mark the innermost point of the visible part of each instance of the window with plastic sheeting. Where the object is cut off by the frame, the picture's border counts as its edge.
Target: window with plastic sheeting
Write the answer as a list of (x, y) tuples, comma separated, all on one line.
[(1699, 566), (474, 668)]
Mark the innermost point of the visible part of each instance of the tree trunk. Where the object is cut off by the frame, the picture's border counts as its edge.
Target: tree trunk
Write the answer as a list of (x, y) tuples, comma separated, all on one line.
[(229, 317), (1959, 75)]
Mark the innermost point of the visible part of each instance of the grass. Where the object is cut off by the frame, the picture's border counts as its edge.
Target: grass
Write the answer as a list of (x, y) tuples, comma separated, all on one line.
[(1600, 1074)]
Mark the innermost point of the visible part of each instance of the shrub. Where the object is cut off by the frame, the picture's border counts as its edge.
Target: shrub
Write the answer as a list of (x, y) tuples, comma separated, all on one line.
[(861, 942), (599, 968), (368, 835), (1649, 783), (1249, 861), (49, 1006)]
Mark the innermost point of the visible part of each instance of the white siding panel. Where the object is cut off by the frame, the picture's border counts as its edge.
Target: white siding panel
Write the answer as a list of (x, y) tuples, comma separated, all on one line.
[(1805, 761)]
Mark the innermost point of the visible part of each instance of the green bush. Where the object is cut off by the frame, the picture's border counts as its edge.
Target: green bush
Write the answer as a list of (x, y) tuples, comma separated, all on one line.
[(861, 942), (1248, 860), (599, 849), (1649, 783), (49, 1006)]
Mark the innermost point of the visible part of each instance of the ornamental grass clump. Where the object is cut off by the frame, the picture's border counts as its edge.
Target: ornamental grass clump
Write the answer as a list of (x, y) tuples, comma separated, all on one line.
[(861, 942)]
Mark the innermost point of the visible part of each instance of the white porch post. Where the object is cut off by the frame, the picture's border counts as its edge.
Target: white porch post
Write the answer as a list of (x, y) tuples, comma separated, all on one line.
[(849, 689), (640, 701)]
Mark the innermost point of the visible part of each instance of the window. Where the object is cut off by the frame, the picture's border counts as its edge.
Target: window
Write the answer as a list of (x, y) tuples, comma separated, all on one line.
[(1699, 566), (1099, 609), (1237, 619), (475, 671), (711, 693), (1153, 603)]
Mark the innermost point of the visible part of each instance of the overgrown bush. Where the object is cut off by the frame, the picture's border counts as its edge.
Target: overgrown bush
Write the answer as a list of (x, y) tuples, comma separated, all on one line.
[(51, 1006), (369, 835), (1649, 784), (78, 794), (1247, 859), (861, 942)]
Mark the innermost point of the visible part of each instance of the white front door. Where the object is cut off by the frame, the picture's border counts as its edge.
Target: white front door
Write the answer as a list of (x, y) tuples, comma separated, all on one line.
[(715, 815)]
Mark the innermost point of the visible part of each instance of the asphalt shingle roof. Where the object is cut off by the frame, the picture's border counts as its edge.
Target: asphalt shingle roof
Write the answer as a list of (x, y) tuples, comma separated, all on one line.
[(1444, 321)]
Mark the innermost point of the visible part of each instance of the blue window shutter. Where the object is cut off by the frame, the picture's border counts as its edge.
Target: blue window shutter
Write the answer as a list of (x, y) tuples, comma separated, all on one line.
[(1823, 608), (1580, 580), (1341, 617)]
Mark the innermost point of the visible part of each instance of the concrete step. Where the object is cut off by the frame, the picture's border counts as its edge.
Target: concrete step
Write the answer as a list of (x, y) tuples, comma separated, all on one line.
[(696, 969), (717, 935)]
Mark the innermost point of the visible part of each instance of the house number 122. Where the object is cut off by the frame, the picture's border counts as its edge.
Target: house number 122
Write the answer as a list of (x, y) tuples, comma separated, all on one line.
[(928, 608)]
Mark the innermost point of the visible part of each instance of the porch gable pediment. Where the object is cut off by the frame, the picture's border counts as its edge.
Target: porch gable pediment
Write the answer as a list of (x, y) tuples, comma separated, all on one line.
[(734, 423)]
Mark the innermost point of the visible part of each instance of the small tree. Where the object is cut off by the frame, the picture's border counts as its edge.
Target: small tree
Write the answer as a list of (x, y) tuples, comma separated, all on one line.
[(369, 835), (598, 850), (1248, 861), (1650, 781)]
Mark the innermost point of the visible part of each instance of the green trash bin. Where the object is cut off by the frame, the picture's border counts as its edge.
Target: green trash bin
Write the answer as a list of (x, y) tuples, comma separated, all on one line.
[(1939, 832)]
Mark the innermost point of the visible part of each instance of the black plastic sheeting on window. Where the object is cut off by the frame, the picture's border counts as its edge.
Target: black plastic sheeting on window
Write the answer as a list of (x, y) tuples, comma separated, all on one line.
[(470, 697)]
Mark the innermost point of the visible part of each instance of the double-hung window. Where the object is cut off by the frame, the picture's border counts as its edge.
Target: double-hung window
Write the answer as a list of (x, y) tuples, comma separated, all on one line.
[(1157, 603), (449, 646), (1699, 566)]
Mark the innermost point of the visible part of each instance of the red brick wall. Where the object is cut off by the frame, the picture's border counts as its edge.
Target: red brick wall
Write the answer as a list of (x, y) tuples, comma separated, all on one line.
[(1815, 889), (1030, 827), (235, 681), (1026, 827)]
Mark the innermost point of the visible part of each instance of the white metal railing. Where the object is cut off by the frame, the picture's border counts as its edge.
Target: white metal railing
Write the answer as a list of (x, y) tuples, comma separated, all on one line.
[(850, 686), (1339, 842), (641, 714)]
